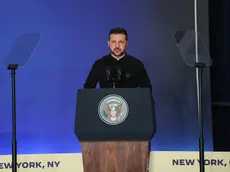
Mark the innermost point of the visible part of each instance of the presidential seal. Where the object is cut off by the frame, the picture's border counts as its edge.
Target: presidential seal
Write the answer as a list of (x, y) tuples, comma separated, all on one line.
[(113, 109)]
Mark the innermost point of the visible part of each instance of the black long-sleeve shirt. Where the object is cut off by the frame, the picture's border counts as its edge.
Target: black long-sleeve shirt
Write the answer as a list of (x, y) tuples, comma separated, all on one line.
[(132, 70)]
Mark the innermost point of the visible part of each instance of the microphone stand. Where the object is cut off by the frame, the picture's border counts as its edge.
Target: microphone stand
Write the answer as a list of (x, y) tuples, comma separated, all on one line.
[(118, 76), (114, 77), (13, 68)]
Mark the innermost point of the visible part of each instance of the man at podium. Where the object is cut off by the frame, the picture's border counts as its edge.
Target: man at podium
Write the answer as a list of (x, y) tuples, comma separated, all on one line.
[(115, 126), (118, 69)]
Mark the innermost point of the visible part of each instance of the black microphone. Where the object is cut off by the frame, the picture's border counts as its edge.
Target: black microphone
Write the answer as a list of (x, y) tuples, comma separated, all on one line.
[(119, 74), (114, 75), (108, 75)]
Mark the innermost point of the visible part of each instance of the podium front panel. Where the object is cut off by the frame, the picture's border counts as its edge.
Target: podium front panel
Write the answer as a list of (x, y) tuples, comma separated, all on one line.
[(138, 125)]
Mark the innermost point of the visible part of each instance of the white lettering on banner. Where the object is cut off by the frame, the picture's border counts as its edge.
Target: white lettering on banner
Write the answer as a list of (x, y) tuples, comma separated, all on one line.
[(209, 162), (49, 164)]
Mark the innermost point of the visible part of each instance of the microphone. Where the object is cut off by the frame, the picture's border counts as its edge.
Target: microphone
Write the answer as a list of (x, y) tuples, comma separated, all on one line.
[(108, 75), (119, 74), (114, 75)]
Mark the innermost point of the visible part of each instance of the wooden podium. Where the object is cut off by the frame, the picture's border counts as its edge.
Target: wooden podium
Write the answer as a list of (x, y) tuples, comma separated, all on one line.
[(121, 146)]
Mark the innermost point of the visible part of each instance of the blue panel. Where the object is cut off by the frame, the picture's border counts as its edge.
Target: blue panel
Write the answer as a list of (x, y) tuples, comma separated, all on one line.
[(74, 35)]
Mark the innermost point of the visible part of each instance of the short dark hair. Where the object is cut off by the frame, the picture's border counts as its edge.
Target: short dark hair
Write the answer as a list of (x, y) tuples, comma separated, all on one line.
[(118, 30)]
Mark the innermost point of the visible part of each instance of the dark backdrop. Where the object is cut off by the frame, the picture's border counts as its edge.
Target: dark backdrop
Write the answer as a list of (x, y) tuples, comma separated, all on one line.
[(220, 72)]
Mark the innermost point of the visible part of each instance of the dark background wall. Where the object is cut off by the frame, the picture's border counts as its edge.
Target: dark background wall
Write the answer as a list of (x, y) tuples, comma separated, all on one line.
[(220, 72)]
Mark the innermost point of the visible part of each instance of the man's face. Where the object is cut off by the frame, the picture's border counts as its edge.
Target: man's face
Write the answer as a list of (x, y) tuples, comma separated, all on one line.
[(117, 44)]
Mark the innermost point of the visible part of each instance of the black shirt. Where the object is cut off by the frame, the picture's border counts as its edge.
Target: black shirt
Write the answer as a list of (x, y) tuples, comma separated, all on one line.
[(128, 72)]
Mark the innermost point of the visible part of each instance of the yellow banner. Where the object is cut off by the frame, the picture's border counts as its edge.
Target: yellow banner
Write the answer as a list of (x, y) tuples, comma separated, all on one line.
[(189, 162), (159, 162)]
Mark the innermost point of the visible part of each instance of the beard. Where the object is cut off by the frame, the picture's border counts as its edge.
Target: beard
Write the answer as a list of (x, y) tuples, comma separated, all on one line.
[(114, 53)]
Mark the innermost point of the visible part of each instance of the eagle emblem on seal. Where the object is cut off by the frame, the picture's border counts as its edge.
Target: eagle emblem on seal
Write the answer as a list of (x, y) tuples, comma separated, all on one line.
[(113, 109)]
